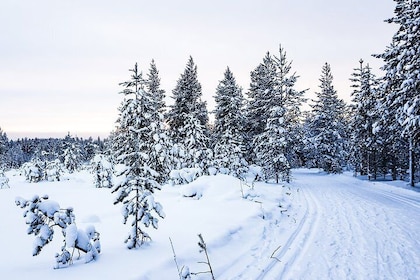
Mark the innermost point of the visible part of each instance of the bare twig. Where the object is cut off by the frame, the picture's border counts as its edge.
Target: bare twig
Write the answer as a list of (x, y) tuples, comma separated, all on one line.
[(272, 255), (203, 247), (176, 262)]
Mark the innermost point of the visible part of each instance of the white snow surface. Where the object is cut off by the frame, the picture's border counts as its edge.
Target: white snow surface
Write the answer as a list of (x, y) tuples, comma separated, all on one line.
[(318, 227)]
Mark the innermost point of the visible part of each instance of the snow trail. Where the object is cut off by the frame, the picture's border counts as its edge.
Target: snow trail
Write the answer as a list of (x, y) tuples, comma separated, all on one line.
[(362, 231)]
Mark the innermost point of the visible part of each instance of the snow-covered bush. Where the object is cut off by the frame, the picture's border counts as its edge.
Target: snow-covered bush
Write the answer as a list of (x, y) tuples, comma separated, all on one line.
[(102, 170), (37, 170), (4, 181), (53, 170), (43, 215), (184, 175), (33, 171), (72, 157), (86, 241)]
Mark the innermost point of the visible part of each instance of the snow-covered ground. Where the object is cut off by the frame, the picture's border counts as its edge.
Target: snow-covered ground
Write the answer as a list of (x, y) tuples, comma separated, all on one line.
[(318, 227)]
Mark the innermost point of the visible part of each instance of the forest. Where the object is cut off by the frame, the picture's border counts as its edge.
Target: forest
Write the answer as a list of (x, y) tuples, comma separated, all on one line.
[(375, 135)]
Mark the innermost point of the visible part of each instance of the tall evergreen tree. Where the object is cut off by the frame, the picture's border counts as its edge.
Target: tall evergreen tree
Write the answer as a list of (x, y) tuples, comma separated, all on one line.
[(160, 139), (402, 67), (4, 143), (292, 100), (72, 155), (270, 147), (181, 118), (157, 94), (136, 180), (273, 113), (187, 102), (229, 146), (365, 144), (327, 127), (197, 154), (260, 98)]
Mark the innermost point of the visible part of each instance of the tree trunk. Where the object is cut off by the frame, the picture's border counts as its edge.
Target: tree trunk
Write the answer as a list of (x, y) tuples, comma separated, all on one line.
[(412, 161), (394, 168), (375, 165)]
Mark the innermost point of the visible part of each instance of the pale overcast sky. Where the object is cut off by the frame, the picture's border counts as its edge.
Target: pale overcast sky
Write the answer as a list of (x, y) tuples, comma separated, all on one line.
[(61, 60)]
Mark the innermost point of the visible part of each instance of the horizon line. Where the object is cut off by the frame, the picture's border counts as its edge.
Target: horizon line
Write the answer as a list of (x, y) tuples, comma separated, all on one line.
[(15, 135)]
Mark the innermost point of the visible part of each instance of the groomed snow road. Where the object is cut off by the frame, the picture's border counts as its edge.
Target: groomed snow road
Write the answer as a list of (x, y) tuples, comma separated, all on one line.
[(346, 228)]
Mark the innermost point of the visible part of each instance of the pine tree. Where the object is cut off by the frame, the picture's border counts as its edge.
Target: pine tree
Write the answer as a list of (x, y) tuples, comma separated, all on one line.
[(197, 154), (4, 143), (136, 180), (273, 114), (292, 100), (182, 116), (273, 86), (260, 98), (270, 147), (402, 67), (102, 170), (157, 94), (160, 161), (187, 96), (327, 127), (72, 155), (229, 146), (365, 143)]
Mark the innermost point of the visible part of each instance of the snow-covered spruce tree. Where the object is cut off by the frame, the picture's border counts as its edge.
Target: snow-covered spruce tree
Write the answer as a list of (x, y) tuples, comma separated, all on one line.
[(102, 170), (262, 87), (273, 86), (72, 156), (187, 101), (291, 99), (34, 171), (274, 103), (270, 147), (157, 94), (402, 71), (16, 155), (160, 158), (53, 170), (187, 108), (393, 147), (327, 126), (43, 216), (4, 181), (136, 180), (197, 153), (229, 146), (4, 141), (365, 145)]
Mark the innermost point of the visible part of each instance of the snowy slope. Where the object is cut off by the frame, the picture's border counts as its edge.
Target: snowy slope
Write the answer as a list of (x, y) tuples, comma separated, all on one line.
[(319, 227)]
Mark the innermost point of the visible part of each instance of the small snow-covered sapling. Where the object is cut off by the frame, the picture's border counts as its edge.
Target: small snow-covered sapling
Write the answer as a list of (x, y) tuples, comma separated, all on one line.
[(44, 215)]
